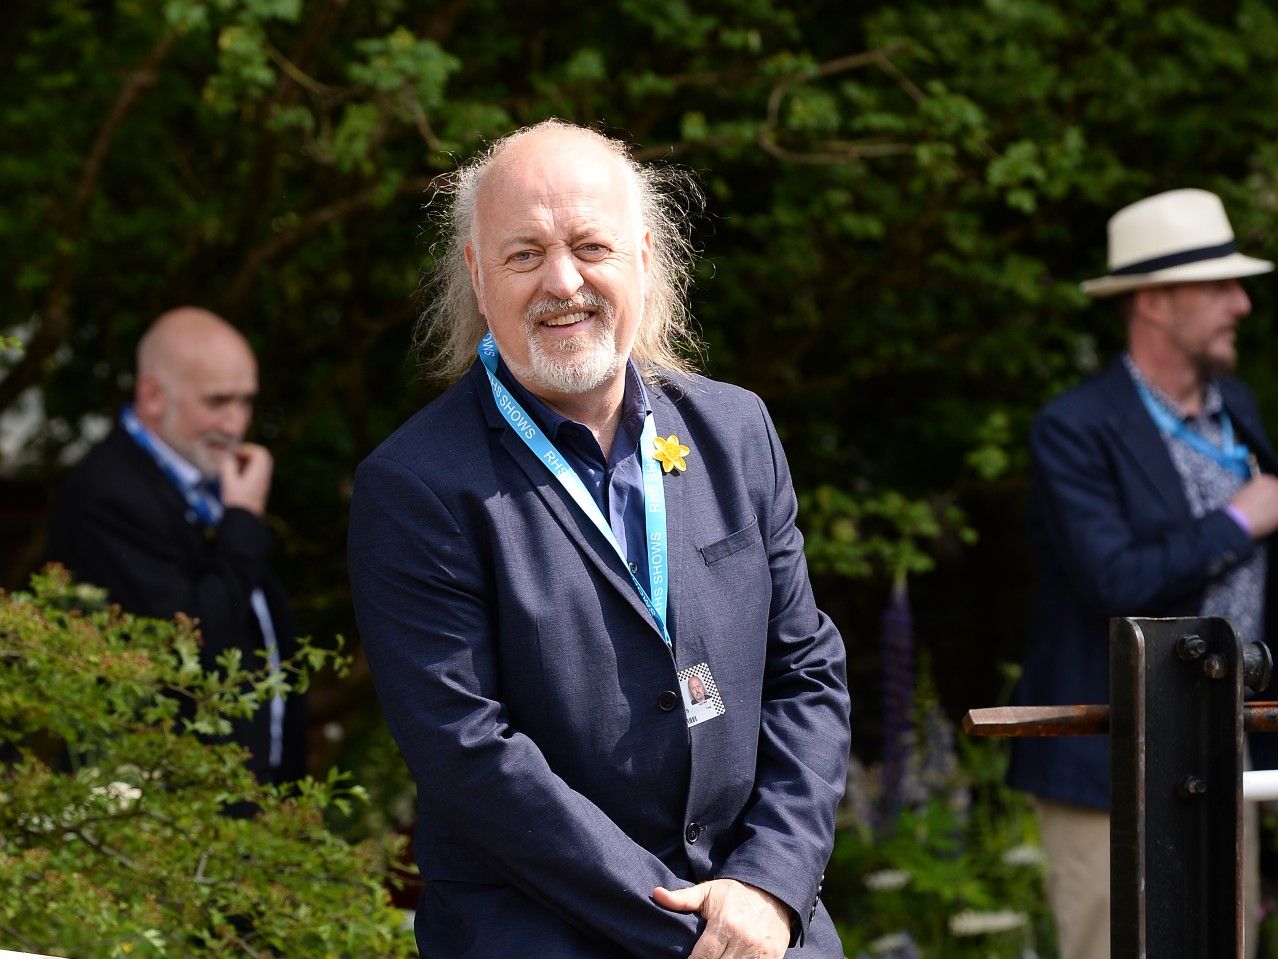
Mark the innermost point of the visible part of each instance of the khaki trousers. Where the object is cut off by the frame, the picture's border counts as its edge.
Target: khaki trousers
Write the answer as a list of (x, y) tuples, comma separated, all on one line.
[(1076, 848)]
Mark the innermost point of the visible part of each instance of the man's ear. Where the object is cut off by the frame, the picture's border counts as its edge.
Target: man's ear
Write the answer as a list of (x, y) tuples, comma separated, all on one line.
[(149, 400), (645, 258), (1150, 304), (476, 284)]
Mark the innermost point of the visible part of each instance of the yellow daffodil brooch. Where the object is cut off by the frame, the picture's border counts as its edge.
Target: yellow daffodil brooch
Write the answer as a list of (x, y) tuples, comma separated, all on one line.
[(670, 453)]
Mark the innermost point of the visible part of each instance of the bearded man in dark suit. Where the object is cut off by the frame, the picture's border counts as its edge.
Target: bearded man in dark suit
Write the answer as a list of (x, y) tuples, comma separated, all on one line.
[(167, 514), (541, 559)]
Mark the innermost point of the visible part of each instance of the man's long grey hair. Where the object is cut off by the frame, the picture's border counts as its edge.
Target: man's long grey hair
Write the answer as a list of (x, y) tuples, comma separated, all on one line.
[(451, 326)]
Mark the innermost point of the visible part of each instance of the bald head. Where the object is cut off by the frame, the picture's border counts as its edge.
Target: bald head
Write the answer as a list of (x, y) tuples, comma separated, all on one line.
[(535, 158), (196, 384), (182, 337)]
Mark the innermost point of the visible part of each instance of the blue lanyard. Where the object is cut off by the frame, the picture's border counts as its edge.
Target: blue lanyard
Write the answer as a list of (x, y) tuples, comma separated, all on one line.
[(202, 504), (654, 494), (1232, 455)]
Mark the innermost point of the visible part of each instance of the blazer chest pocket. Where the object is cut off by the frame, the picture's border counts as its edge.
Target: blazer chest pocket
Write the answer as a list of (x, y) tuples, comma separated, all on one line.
[(732, 543)]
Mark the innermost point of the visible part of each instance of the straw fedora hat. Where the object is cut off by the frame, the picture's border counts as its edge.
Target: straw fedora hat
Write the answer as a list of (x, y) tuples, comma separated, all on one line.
[(1181, 236)]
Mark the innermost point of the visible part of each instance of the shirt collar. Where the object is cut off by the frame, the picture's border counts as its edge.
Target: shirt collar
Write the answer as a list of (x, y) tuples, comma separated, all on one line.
[(1213, 400), (184, 469), (635, 405)]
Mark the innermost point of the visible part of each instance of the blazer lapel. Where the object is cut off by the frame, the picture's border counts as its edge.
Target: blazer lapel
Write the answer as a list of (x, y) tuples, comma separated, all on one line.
[(1135, 430), (668, 420), (1251, 431), (162, 493), (580, 531)]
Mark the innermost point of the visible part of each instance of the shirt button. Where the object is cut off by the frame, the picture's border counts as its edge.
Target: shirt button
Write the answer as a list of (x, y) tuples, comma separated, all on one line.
[(667, 701), (693, 832), (634, 567)]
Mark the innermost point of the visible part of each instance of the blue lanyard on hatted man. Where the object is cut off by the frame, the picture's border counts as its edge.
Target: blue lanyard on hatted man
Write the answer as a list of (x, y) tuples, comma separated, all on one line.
[(654, 493), (1230, 454)]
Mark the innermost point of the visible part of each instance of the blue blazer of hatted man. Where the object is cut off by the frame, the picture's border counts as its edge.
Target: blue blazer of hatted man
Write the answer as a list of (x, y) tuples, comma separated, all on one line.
[(538, 706), (1114, 536)]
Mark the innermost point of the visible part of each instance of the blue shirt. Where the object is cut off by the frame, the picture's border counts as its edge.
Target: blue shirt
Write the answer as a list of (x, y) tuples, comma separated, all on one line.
[(615, 482)]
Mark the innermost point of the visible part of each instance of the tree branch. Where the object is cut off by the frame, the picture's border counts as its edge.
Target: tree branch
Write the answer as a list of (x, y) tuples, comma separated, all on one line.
[(53, 325), (263, 169), (835, 151), (313, 221)]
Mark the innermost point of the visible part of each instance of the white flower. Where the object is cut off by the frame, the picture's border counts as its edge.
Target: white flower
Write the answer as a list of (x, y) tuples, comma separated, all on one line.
[(890, 943), (119, 796), (969, 922), (1023, 855), (887, 880), (36, 823)]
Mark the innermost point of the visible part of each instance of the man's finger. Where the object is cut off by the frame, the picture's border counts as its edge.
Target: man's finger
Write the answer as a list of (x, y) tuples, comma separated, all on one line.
[(680, 900)]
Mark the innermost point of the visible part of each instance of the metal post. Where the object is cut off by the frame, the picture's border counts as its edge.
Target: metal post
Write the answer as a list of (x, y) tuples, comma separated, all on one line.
[(1176, 733), (1175, 720)]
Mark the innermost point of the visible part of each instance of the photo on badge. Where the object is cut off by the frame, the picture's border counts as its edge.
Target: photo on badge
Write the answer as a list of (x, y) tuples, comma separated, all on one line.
[(701, 699)]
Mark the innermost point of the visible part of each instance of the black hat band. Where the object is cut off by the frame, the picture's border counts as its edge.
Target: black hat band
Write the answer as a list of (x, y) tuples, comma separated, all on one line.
[(1177, 259)]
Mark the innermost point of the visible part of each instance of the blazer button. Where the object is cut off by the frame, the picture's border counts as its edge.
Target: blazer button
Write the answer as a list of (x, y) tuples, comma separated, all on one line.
[(693, 832), (668, 700)]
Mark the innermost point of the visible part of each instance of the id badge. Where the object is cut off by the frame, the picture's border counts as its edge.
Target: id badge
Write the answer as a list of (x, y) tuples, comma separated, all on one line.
[(701, 699)]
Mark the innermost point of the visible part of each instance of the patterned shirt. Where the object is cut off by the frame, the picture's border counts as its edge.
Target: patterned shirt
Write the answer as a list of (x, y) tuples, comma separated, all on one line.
[(1237, 594)]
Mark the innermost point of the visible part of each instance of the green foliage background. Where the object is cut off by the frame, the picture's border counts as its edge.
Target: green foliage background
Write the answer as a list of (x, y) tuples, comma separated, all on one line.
[(902, 198), (112, 838)]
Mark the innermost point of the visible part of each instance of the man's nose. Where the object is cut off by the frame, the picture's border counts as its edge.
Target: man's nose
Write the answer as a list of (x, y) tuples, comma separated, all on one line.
[(1242, 302), (235, 418), (561, 278)]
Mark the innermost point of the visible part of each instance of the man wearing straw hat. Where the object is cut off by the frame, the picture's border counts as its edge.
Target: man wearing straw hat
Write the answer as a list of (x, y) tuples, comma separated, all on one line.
[(1153, 495)]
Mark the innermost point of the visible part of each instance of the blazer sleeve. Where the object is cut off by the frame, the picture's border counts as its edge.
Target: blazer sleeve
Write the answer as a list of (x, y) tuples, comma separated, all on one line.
[(1115, 570), (805, 732), (422, 594)]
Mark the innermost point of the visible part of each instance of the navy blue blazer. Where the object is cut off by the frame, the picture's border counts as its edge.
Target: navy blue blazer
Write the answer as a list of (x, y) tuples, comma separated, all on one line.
[(531, 693), (1114, 536)]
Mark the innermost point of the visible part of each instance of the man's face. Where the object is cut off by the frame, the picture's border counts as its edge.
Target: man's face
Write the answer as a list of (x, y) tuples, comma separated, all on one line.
[(696, 691), (203, 407), (559, 263), (1203, 320)]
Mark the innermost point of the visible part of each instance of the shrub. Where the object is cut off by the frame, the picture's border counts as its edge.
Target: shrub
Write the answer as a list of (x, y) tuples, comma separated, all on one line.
[(958, 873), (114, 837)]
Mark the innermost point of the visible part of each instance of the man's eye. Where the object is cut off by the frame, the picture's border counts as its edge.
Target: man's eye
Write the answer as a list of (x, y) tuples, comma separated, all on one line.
[(523, 256), (592, 250)]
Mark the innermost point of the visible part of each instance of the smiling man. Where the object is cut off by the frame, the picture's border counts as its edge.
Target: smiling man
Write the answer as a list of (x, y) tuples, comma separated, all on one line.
[(1154, 495), (167, 514), (542, 558)]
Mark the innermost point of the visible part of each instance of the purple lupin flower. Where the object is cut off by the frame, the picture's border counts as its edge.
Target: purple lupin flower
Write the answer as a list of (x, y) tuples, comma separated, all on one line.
[(898, 697)]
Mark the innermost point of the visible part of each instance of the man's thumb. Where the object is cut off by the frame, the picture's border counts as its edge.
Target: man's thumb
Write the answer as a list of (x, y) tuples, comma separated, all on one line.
[(680, 900)]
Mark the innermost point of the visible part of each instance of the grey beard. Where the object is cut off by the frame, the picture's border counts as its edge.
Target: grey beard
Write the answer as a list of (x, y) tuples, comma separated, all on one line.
[(581, 364)]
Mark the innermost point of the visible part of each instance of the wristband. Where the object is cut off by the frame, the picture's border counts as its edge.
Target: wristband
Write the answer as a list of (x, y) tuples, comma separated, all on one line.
[(1238, 517)]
